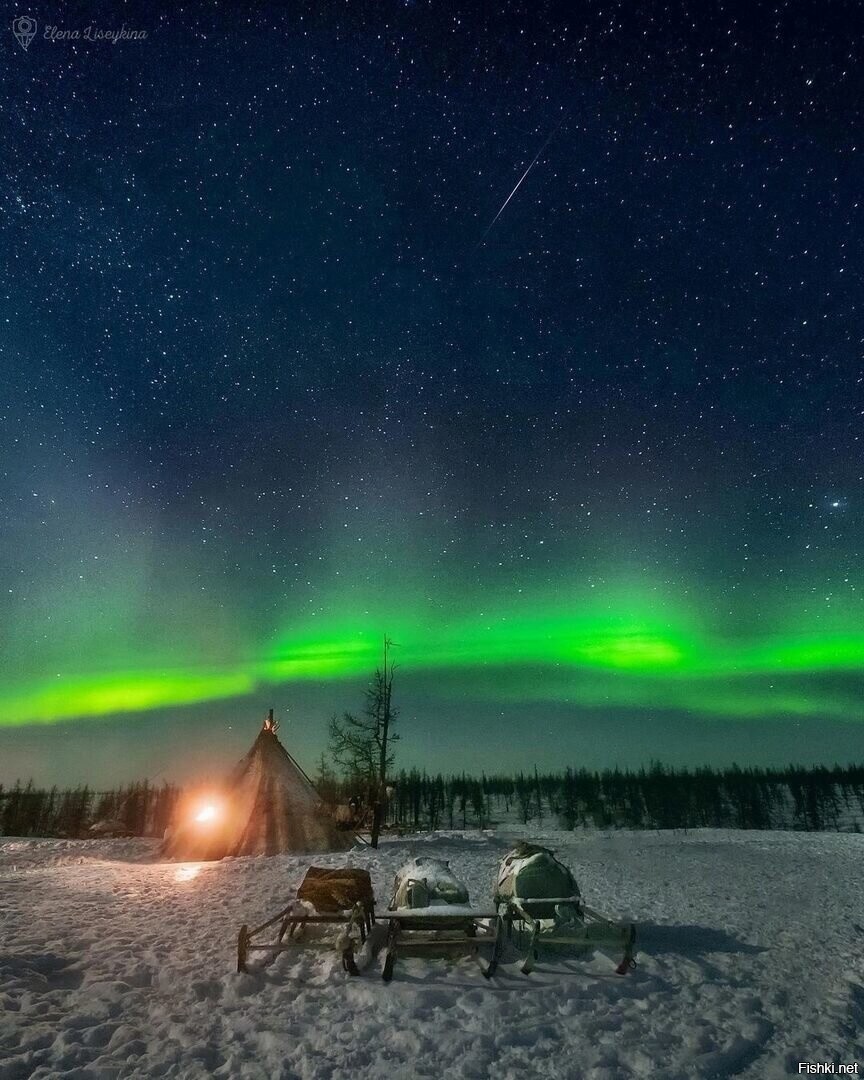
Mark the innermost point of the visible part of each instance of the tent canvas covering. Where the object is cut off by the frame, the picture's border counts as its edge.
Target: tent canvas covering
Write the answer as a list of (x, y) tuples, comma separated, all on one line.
[(270, 806)]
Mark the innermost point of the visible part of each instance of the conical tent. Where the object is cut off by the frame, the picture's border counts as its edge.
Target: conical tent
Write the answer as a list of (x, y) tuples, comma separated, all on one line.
[(269, 806)]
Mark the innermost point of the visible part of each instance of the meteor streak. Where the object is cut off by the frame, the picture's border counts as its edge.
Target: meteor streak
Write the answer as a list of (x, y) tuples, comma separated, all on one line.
[(519, 182)]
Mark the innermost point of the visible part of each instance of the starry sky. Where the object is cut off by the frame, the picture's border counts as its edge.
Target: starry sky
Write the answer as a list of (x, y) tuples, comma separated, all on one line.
[(531, 338)]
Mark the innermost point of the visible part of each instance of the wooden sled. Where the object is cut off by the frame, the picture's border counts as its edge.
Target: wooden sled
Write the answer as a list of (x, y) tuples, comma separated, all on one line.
[(436, 930), (340, 898), (567, 921)]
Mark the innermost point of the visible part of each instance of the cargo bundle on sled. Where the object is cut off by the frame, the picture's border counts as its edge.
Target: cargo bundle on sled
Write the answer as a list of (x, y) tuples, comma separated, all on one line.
[(340, 899), (539, 899), (430, 914), (537, 905)]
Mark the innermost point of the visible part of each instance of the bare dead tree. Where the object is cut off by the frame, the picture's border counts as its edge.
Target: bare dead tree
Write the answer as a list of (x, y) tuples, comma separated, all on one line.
[(362, 745)]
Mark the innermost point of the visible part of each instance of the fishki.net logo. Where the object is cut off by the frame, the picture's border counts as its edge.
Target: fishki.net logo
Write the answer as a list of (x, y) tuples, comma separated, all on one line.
[(24, 29)]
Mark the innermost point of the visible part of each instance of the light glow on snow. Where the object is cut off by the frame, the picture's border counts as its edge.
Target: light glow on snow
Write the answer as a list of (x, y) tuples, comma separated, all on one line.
[(187, 873)]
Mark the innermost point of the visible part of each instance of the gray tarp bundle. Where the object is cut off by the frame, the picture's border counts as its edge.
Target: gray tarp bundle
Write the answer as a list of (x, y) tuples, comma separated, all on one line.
[(532, 872)]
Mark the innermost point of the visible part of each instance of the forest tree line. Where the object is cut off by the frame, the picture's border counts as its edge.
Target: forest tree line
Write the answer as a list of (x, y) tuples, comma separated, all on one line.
[(139, 809), (812, 799), (816, 798)]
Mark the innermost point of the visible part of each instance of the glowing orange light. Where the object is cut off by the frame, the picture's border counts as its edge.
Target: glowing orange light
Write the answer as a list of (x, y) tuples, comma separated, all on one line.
[(207, 814)]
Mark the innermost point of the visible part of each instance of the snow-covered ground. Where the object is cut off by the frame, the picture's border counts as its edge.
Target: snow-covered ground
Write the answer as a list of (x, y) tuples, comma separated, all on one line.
[(751, 959)]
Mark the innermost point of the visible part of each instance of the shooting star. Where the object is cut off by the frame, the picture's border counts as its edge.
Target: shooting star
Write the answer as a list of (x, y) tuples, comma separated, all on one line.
[(533, 162)]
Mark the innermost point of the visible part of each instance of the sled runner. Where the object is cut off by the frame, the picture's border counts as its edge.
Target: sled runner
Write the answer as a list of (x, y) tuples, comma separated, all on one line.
[(429, 915), (340, 898), (538, 895)]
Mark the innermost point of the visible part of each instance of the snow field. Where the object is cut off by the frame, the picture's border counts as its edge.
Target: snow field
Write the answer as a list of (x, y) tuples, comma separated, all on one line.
[(751, 958)]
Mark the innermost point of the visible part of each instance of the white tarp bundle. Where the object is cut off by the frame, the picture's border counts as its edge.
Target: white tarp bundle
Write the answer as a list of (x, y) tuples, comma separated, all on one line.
[(426, 882)]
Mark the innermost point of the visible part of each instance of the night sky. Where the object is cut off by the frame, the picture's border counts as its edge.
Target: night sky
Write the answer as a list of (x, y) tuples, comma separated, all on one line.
[(277, 378)]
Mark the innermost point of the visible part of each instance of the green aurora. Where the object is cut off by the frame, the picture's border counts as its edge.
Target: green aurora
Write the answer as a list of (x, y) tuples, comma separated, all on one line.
[(607, 652)]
